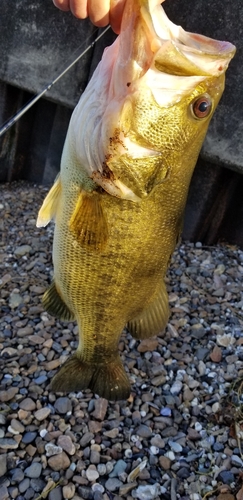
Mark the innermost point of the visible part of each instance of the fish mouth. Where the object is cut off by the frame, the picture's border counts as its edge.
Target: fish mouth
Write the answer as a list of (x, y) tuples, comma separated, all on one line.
[(149, 39)]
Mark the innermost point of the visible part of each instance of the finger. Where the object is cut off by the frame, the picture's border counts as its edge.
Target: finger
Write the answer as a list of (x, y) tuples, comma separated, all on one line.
[(62, 4), (116, 11), (99, 12), (79, 8)]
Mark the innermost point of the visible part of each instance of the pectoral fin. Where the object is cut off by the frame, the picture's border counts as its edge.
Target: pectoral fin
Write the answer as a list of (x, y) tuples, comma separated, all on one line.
[(88, 222), (153, 318), (54, 305), (49, 206)]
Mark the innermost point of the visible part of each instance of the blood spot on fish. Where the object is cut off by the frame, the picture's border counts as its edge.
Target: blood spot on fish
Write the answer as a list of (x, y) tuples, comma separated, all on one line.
[(128, 84)]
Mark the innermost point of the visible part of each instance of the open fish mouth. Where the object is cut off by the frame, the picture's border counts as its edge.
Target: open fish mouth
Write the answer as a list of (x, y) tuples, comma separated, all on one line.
[(150, 44)]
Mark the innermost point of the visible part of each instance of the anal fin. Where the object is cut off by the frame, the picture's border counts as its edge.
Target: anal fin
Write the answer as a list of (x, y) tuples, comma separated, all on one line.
[(54, 305), (108, 380), (49, 206), (153, 318), (88, 222)]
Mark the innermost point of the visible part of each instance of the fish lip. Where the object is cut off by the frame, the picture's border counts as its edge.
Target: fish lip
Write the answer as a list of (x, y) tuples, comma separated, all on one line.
[(149, 18)]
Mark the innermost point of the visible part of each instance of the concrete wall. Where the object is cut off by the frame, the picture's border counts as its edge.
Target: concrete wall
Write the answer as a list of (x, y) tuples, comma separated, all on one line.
[(37, 41)]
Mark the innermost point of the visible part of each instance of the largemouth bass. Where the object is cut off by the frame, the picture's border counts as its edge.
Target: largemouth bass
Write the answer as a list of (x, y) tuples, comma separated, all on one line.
[(118, 203)]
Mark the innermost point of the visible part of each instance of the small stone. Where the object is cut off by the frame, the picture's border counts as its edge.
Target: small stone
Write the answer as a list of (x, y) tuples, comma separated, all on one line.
[(52, 449), (22, 250), (226, 477), (176, 447), (24, 485), (125, 488), (100, 405), (166, 412), (91, 473), (94, 426), (4, 493), (144, 431), (157, 441), (34, 470), (193, 434), (98, 487), (226, 340), (27, 404), (63, 405), (119, 468), (112, 433), (42, 414), (176, 387), (52, 365), (216, 354), (17, 475), (56, 494), (66, 444), (3, 464), (183, 473), (16, 426), (148, 345), (101, 469), (236, 460), (8, 444), (95, 457), (86, 438), (29, 437), (36, 339), (8, 394), (68, 491), (147, 492), (165, 462), (15, 300), (59, 462), (113, 484)]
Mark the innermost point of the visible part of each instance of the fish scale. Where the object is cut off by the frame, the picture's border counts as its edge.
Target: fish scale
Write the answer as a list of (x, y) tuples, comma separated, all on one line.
[(119, 200)]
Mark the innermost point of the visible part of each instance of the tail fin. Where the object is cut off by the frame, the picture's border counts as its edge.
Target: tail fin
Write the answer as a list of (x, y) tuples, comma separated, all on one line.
[(107, 380)]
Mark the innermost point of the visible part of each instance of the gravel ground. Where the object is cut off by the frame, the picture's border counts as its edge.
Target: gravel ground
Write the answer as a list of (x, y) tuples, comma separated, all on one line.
[(179, 434)]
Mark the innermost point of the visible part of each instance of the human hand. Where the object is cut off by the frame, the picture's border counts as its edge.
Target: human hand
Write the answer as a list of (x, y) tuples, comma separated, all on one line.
[(100, 12)]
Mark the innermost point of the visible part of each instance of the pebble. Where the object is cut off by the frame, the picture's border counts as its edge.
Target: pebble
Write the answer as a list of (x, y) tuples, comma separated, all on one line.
[(56, 494), (42, 414), (91, 473), (8, 444), (34, 470), (144, 431), (66, 444), (113, 484), (147, 492), (59, 461), (63, 405), (8, 395), (3, 464), (4, 493), (68, 491), (100, 410), (22, 250), (52, 449), (27, 404), (176, 387), (119, 468)]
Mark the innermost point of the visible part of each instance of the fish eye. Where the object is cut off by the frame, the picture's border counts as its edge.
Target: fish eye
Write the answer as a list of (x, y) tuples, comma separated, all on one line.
[(201, 107)]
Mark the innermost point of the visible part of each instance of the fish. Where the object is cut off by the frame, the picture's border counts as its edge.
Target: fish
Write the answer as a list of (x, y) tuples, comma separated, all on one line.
[(118, 202)]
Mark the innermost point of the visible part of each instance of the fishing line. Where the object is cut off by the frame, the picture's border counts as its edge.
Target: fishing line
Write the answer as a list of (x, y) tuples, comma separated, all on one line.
[(22, 111)]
